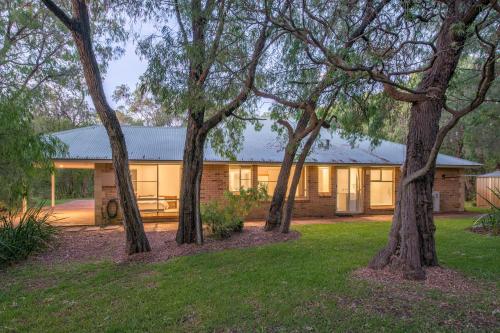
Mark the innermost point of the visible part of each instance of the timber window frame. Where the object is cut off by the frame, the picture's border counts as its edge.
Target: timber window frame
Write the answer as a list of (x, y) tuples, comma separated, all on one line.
[(240, 177), (324, 181), (382, 188)]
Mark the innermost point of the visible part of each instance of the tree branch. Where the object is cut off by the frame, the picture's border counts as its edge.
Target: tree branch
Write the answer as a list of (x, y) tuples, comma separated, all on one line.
[(69, 22), (487, 78), (229, 108)]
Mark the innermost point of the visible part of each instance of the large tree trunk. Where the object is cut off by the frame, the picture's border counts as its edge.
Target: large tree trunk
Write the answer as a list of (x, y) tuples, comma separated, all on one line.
[(411, 241), (277, 202), (411, 244), (190, 227), (288, 210), (136, 237)]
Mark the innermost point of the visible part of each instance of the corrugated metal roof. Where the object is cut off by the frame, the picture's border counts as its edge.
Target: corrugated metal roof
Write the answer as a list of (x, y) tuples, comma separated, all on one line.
[(491, 174), (167, 143)]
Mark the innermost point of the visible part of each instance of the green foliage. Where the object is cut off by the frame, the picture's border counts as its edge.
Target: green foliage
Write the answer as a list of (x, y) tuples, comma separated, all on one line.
[(70, 184), (476, 136), (24, 154), (490, 221), (229, 30), (24, 234), (224, 218)]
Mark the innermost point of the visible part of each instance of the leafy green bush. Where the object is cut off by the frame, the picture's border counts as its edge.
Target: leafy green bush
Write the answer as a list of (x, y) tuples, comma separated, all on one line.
[(24, 234), (224, 218), (490, 221)]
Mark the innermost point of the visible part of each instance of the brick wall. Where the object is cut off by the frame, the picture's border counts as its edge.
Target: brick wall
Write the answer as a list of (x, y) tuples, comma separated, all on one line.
[(215, 181), (104, 190), (451, 188)]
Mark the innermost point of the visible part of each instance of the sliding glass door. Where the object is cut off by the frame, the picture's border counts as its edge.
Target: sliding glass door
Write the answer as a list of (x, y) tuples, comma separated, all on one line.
[(349, 190), (157, 188)]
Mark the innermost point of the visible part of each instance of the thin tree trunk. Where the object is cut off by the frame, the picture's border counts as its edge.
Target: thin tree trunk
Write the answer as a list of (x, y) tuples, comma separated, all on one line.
[(288, 210), (277, 202), (136, 240), (190, 228)]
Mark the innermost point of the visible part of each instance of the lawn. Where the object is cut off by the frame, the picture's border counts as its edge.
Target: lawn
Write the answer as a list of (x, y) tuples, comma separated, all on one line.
[(470, 206), (301, 285)]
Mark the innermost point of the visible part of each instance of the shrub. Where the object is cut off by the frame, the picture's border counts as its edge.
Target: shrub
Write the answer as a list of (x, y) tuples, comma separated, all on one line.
[(224, 218), (22, 234), (490, 221)]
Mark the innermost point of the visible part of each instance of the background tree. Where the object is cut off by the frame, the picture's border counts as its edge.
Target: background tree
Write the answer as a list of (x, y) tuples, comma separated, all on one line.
[(142, 108), (312, 86), (24, 154), (79, 26), (40, 75), (203, 68), (426, 39)]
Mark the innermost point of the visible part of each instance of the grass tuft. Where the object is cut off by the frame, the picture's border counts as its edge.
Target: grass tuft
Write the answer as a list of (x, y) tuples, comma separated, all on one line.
[(22, 234)]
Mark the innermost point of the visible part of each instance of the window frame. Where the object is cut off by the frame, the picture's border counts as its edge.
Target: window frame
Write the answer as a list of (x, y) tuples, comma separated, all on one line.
[(303, 179), (329, 193), (380, 180), (239, 167)]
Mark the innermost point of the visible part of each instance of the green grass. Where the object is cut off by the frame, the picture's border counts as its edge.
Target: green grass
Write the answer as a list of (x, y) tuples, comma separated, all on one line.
[(470, 206), (301, 285)]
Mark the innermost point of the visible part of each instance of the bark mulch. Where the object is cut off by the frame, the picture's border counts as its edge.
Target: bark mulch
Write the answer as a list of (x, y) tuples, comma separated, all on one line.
[(98, 245), (450, 298), (439, 278), (485, 231)]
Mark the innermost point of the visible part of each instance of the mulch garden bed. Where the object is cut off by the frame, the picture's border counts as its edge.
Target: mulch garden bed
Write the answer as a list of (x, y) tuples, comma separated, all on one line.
[(440, 278), (484, 231), (98, 245)]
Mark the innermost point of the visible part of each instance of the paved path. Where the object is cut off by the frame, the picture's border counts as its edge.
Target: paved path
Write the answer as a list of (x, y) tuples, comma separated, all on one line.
[(74, 213)]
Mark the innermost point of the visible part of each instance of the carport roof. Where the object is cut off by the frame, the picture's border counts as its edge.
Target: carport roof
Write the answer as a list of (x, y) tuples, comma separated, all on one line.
[(264, 146)]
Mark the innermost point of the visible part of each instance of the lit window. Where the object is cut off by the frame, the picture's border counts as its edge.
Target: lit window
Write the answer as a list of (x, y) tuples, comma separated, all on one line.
[(240, 177), (382, 187), (324, 180), (267, 176)]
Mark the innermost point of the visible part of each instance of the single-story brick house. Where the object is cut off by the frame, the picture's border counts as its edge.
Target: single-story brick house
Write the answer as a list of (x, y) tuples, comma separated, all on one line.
[(338, 178)]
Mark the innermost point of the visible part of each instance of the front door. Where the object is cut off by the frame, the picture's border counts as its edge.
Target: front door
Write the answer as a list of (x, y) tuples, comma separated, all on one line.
[(349, 190)]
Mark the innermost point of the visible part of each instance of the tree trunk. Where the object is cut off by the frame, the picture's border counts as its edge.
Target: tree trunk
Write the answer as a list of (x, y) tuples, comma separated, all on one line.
[(277, 202), (411, 244), (136, 240), (287, 214), (411, 240), (190, 228)]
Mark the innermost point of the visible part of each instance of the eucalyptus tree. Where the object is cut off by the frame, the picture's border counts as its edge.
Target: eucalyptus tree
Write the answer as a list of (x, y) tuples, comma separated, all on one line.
[(34, 50), (38, 57), (309, 87), (426, 40), (140, 106), (37, 69), (79, 24), (24, 153), (202, 63)]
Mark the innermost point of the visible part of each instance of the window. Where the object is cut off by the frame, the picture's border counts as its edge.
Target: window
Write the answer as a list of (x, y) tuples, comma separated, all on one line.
[(381, 187), (156, 187), (240, 177), (324, 180), (268, 176)]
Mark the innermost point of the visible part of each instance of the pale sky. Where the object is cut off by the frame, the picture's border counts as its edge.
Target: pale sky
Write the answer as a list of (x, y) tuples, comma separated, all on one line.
[(129, 67), (125, 70)]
